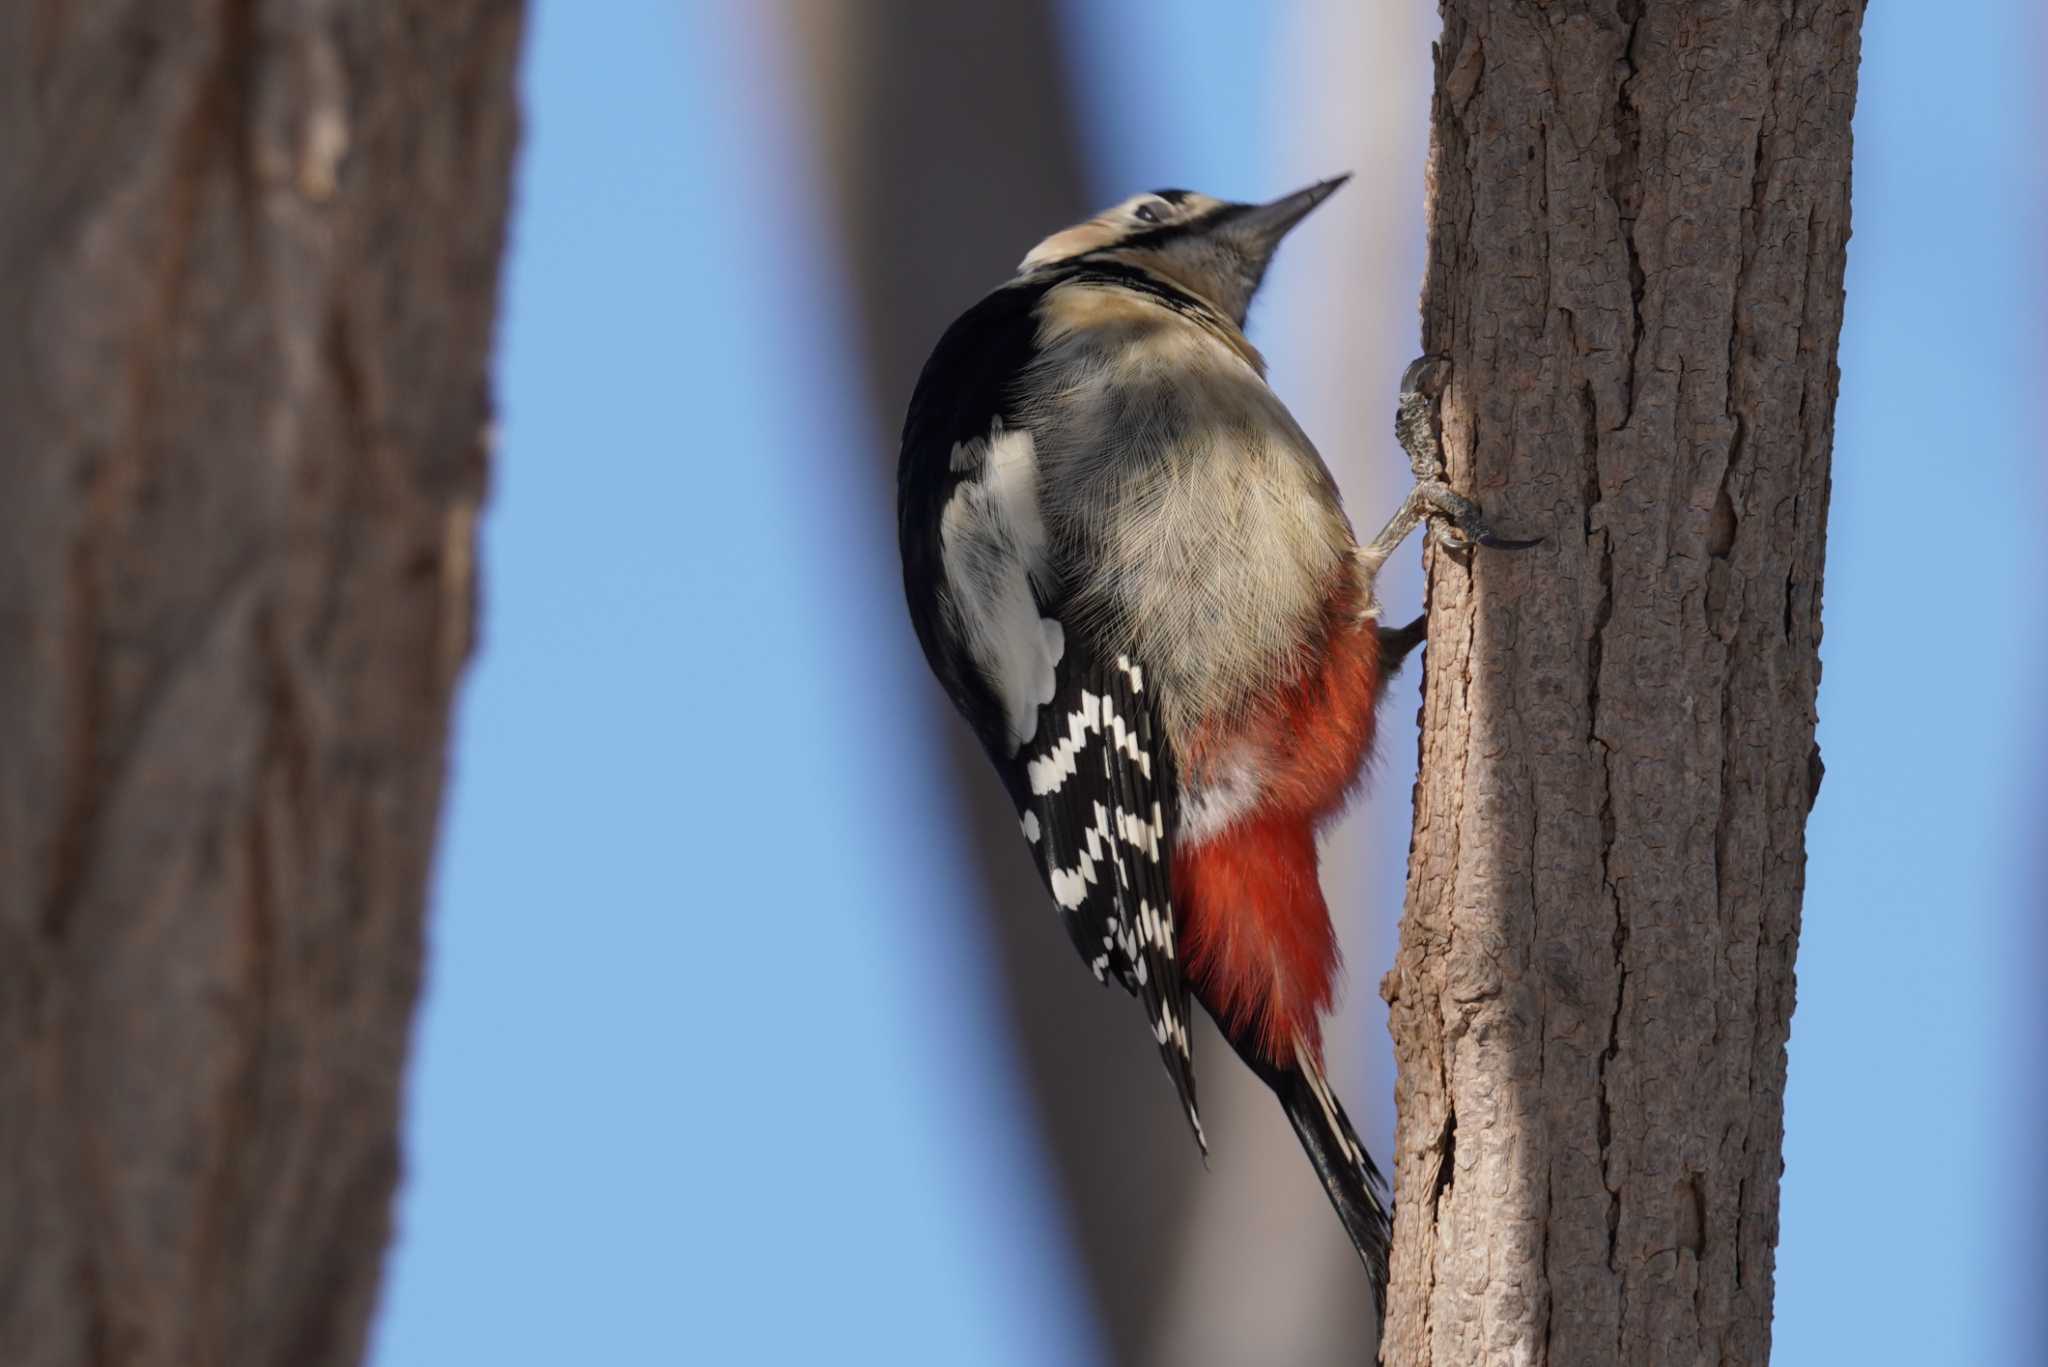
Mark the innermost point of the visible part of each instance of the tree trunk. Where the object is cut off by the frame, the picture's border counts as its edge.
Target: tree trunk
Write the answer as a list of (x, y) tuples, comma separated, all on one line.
[(1638, 220), (248, 268)]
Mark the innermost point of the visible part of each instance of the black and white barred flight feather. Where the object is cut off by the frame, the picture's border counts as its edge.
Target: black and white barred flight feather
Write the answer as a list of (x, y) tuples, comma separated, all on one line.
[(1076, 738), (1098, 782)]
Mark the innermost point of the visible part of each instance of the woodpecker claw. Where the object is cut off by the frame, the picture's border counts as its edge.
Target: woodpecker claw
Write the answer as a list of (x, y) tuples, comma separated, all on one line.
[(1502, 543), (1460, 537), (1459, 522), (1426, 375), (1456, 522)]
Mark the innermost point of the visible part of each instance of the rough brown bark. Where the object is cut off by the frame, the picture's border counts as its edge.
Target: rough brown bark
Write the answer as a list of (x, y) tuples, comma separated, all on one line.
[(1639, 216), (248, 264)]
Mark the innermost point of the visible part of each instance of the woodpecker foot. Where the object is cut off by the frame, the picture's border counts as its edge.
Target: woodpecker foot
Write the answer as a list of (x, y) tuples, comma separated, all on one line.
[(1398, 643), (1457, 522)]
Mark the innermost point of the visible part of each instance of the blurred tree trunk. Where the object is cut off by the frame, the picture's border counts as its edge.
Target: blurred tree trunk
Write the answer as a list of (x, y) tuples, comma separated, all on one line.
[(1638, 224), (951, 148), (248, 269)]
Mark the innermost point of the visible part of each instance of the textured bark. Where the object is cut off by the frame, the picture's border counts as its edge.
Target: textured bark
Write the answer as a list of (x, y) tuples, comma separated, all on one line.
[(1639, 214), (248, 264)]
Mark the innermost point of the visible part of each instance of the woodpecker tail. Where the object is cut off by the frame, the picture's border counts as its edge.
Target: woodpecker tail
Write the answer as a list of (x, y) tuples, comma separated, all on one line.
[(1350, 1177)]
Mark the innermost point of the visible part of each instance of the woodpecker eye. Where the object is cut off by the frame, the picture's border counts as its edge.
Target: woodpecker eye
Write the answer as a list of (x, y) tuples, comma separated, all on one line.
[(1149, 212)]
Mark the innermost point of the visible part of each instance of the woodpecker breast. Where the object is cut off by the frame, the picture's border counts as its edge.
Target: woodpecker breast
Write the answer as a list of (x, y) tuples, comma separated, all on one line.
[(1207, 528)]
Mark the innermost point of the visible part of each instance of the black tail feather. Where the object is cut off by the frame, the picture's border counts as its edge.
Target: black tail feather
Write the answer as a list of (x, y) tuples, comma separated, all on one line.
[(1350, 1178)]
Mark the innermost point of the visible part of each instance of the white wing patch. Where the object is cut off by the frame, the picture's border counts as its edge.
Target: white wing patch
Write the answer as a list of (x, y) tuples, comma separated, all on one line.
[(992, 542)]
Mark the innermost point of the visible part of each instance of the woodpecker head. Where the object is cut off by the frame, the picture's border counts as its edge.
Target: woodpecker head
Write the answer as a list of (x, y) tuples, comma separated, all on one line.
[(1208, 247)]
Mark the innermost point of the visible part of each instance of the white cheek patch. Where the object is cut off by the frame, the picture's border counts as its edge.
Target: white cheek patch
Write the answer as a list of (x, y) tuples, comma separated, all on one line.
[(992, 543)]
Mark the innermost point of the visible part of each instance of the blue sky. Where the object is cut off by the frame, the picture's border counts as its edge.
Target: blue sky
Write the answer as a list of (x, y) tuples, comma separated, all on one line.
[(1912, 1124), (705, 1070)]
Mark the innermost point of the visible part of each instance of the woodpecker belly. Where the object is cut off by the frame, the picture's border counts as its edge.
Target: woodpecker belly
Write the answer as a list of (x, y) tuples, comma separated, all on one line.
[(1254, 792), (1235, 585)]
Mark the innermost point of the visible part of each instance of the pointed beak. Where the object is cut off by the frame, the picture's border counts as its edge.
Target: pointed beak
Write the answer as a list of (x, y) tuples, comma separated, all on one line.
[(1261, 226)]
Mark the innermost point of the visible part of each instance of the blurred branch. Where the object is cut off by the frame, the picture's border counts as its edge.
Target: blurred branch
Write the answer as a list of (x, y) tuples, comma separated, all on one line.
[(1638, 229), (248, 265), (950, 147)]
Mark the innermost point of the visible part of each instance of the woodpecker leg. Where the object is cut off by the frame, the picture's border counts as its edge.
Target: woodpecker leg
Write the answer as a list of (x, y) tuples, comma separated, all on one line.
[(1459, 521), (1398, 643)]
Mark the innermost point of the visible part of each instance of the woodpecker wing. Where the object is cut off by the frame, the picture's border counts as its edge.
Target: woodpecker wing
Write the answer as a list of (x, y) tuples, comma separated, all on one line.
[(1075, 736), (1097, 787)]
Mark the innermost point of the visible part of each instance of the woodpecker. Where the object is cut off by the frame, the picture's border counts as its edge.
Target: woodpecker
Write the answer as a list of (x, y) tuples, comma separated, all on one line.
[(1132, 574)]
